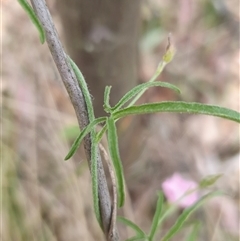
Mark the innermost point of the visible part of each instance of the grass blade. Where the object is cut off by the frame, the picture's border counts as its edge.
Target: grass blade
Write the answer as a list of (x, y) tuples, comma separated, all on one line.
[(135, 238), (156, 217), (194, 232), (139, 232), (82, 134), (185, 215), (114, 153), (179, 106)]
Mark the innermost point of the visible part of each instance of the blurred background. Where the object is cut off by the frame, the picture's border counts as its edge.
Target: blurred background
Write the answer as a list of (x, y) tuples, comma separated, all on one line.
[(118, 43)]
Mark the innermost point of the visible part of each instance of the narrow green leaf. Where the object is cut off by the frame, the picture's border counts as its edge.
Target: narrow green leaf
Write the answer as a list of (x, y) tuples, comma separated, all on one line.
[(139, 232), (170, 209), (94, 145), (94, 176), (30, 12), (209, 180), (179, 106), (141, 89), (106, 105), (70, 132), (185, 215), (84, 88), (136, 238), (194, 234), (101, 133), (82, 134), (156, 217), (114, 153)]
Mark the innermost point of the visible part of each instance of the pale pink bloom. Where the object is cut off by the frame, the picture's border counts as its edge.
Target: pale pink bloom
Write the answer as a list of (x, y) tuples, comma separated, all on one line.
[(176, 186)]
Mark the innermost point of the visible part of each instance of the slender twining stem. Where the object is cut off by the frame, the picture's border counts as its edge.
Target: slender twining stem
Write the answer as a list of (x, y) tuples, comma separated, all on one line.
[(76, 96)]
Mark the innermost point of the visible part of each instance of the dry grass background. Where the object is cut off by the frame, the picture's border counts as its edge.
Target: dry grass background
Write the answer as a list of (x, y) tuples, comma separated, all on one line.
[(45, 198)]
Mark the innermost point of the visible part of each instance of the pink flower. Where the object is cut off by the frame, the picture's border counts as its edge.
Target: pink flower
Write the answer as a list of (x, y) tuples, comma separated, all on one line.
[(176, 186)]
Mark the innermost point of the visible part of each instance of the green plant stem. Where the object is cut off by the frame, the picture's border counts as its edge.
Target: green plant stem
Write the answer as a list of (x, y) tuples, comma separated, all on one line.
[(159, 70)]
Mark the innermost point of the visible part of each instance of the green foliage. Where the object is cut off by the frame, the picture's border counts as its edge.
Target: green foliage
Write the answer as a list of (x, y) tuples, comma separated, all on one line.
[(119, 111), (114, 153), (162, 212), (180, 107), (30, 12), (156, 217), (209, 180), (106, 105), (214, 16), (82, 134), (141, 89), (194, 232), (185, 215), (100, 134), (90, 128), (70, 132), (139, 232)]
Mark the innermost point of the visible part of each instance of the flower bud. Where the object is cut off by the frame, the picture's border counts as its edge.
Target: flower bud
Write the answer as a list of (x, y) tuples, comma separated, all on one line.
[(170, 51)]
